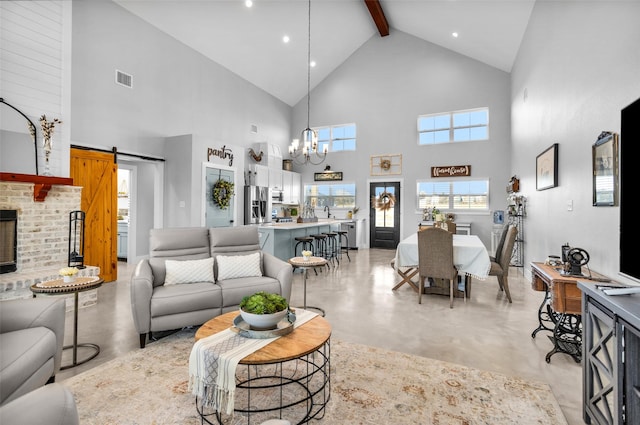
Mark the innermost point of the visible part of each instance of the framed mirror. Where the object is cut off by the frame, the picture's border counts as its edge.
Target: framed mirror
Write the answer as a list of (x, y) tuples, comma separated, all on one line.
[(605, 169)]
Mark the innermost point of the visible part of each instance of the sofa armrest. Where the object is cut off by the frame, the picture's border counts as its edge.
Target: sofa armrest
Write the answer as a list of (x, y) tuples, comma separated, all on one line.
[(280, 270), (141, 292), (45, 312)]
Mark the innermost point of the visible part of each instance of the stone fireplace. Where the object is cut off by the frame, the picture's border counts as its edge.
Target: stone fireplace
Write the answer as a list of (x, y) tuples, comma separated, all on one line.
[(42, 206), (8, 241)]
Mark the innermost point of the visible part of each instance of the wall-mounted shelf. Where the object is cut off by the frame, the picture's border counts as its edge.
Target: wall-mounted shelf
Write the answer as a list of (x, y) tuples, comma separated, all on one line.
[(41, 184)]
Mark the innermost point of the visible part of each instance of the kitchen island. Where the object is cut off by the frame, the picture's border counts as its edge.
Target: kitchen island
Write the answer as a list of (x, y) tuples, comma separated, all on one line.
[(279, 238)]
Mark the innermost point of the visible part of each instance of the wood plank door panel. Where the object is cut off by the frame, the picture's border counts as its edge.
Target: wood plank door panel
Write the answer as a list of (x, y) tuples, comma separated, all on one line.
[(97, 173)]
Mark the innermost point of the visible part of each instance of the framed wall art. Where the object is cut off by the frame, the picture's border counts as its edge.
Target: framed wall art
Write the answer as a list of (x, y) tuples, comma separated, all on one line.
[(605, 169), (547, 168), (327, 176), (382, 165)]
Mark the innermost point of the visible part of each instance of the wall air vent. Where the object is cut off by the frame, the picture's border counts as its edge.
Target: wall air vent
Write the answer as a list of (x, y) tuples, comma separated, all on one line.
[(124, 79)]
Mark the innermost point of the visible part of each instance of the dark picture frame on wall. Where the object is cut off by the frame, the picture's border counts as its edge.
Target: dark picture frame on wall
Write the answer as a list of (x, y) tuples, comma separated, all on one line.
[(328, 176), (605, 170), (547, 168)]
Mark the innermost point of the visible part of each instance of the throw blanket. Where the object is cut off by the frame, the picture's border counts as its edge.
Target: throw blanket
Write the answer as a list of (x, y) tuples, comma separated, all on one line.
[(213, 362)]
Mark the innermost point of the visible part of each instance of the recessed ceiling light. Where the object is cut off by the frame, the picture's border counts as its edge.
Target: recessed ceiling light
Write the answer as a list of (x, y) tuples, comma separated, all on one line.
[(454, 34), (312, 63), (248, 3), (285, 39)]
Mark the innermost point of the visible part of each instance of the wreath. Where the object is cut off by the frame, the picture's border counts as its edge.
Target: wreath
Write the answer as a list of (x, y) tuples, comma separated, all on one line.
[(222, 193), (383, 202)]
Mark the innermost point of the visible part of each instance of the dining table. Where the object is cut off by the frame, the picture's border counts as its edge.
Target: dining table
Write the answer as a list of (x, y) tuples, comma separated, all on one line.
[(470, 257)]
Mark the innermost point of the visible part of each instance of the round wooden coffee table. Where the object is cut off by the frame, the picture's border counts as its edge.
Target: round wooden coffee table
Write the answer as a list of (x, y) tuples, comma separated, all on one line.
[(59, 287), (291, 375)]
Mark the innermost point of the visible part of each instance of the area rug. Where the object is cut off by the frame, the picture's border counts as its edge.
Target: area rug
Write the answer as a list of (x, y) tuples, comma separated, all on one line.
[(368, 386)]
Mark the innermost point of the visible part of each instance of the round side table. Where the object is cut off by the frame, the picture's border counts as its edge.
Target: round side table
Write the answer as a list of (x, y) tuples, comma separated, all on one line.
[(305, 265), (60, 287)]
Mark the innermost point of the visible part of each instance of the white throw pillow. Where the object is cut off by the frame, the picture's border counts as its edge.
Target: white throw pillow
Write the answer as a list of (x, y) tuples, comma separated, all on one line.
[(233, 266), (188, 271)]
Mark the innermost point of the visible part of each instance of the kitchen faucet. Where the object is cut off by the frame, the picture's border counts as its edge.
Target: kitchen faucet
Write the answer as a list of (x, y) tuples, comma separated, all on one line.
[(326, 208)]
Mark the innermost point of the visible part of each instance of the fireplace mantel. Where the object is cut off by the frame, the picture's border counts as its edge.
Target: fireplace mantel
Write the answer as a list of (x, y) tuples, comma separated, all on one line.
[(41, 184)]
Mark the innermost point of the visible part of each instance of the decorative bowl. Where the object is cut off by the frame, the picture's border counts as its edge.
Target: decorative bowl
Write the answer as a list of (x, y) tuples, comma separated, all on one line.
[(263, 321)]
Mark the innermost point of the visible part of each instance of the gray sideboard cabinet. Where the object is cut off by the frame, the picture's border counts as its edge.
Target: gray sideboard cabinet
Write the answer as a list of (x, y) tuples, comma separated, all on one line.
[(610, 357)]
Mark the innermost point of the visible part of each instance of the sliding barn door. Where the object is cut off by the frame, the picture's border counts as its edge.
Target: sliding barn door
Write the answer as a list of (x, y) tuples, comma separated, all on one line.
[(97, 173)]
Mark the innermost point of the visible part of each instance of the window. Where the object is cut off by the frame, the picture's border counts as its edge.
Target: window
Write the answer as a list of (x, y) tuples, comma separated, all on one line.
[(470, 195), (337, 137), (459, 126), (334, 195)]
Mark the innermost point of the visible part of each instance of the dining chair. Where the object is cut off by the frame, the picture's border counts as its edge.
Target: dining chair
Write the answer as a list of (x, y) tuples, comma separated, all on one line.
[(451, 227), (435, 259), (500, 268), (503, 236)]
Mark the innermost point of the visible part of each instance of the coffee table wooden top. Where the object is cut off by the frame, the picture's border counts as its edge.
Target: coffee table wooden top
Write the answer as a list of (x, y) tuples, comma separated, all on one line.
[(304, 339)]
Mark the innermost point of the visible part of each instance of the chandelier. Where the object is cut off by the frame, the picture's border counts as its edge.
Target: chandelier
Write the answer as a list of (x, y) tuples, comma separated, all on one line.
[(307, 151)]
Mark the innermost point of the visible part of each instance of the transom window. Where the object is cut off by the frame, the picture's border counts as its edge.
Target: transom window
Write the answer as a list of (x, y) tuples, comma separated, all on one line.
[(457, 126), (453, 195), (334, 195), (337, 137)]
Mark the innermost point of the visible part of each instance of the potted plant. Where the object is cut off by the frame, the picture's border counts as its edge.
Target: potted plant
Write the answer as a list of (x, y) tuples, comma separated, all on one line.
[(263, 310)]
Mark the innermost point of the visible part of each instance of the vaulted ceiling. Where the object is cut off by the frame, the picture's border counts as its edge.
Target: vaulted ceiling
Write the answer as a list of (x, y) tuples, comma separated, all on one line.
[(249, 40)]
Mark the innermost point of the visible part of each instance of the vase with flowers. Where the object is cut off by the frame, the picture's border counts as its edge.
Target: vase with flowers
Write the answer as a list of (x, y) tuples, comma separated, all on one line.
[(306, 255), (47, 143), (68, 274)]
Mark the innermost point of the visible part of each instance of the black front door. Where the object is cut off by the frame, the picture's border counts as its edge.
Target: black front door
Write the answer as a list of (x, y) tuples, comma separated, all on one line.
[(384, 214)]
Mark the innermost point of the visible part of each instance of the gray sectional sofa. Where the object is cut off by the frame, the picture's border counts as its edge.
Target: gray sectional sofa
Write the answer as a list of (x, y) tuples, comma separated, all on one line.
[(173, 289)]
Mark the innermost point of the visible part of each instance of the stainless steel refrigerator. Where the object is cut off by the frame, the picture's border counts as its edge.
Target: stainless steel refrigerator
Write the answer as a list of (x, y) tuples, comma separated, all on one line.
[(257, 205)]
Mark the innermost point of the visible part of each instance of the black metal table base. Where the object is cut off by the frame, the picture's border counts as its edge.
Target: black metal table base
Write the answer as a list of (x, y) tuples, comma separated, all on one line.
[(567, 337), (320, 310), (566, 329), (546, 315), (75, 362), (297, 390)]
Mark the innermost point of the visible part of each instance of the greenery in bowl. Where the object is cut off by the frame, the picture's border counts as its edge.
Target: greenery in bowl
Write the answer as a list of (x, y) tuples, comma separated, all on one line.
[(263, 303)]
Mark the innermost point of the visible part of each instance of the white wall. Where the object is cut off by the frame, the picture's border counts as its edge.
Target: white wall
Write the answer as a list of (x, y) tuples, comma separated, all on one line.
[(35, 53), (177, 95), (383, 87), (579, 65), (175, 90)]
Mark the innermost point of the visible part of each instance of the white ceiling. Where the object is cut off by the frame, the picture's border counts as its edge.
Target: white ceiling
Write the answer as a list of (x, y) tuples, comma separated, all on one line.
[(248, 41)]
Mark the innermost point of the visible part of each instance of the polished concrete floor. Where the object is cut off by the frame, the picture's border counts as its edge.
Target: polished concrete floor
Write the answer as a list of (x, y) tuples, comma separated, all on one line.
[(485, 332)]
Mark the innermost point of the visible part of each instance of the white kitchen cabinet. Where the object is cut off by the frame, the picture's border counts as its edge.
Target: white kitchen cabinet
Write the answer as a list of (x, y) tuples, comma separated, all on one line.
[(123, 233), (259, 175), (275, 179), (291, 187)]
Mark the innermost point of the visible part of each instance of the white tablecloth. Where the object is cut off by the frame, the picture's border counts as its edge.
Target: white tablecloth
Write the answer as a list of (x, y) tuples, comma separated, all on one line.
[(470, 256)]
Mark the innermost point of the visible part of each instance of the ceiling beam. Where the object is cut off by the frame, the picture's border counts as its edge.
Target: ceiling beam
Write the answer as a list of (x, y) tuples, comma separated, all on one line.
[(375, 9)]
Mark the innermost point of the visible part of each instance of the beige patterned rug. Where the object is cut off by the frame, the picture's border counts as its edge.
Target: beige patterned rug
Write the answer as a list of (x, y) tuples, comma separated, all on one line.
[(368, 386)]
